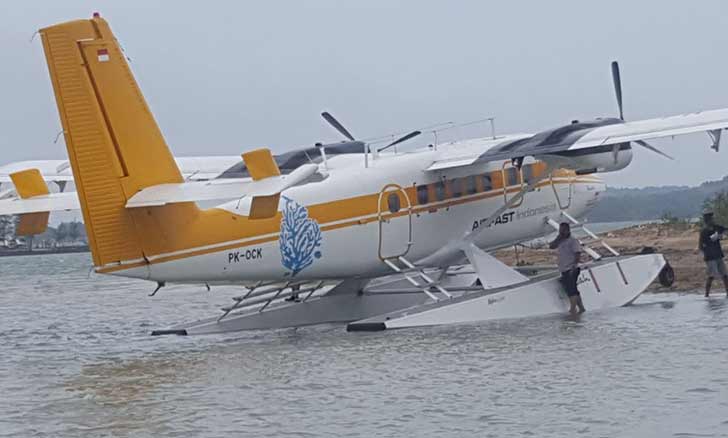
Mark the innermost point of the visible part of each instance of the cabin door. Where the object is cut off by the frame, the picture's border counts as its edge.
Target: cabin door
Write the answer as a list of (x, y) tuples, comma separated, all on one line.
[(512, 183), (563, 187), (395, 222)]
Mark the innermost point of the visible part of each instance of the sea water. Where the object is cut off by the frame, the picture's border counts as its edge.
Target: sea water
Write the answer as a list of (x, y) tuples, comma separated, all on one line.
[(76, 359)]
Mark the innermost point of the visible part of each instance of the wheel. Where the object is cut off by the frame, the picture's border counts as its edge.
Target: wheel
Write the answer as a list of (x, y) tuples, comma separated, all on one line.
[(667, 275)]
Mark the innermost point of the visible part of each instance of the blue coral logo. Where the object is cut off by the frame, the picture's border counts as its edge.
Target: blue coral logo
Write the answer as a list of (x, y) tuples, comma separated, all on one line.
[(300, 237)]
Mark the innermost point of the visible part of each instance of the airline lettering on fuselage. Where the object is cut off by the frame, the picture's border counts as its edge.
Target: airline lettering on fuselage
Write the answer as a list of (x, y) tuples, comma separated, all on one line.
[(516, 215), (244, 256), (502, 219)]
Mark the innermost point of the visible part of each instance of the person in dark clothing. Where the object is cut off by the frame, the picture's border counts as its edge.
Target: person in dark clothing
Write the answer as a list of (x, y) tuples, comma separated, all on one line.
[(569, 253), (709, 245)]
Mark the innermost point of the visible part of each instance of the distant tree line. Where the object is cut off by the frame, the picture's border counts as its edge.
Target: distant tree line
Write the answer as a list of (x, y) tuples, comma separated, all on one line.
[(653, 203), (7, 226), (65, 234), (719, 205), (68, 232)]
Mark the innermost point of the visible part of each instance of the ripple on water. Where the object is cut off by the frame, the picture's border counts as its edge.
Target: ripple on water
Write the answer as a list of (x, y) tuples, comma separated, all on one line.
[(76, 359)]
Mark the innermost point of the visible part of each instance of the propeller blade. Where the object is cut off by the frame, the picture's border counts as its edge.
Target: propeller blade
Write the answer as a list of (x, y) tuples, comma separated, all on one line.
[(646, 145), (338, 126), (615, 152), (617, 87), (401, 139)]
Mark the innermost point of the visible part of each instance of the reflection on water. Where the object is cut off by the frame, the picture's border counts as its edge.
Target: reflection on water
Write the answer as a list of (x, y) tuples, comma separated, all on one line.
[(121, 382), (76, 360)]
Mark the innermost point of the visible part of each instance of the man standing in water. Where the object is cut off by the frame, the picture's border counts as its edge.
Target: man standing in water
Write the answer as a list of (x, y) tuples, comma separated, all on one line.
[(709, 245), (569, 253)]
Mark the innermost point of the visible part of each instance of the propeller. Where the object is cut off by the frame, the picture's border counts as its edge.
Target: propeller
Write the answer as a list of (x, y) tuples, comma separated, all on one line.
[(617, 79), (339, 127), (412, 134), (646, 145)]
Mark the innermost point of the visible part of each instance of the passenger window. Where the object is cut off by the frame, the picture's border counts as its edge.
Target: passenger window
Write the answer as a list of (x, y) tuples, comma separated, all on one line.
[(511, 176), (393, 202), (422, 194), (527, 172), (470, 187), (538, 169), (456, 187), (487, 182), (440, 190)]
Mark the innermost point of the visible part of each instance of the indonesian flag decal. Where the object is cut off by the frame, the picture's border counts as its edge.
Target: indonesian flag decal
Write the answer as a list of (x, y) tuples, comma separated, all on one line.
[(103, 55)]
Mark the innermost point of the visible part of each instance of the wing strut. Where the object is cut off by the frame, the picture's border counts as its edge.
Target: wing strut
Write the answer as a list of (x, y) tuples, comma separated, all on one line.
[(714, 135)]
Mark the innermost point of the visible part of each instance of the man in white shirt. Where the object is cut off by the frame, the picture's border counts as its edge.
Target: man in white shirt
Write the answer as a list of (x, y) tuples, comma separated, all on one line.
[(569, 253)]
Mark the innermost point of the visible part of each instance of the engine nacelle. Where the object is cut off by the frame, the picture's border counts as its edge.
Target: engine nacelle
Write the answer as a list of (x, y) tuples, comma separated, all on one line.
[(599, 159)]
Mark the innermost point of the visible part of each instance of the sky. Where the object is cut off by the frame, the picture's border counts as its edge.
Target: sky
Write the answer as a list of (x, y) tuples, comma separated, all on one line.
[(226, 77)]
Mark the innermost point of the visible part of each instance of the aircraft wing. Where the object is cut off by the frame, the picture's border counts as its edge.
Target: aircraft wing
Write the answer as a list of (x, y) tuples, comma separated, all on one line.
[(39, 204), (52, 170), (205, 168), (608, 132), (218, 189), (192, 168), (655, 128), (191, 191), (468, 152)]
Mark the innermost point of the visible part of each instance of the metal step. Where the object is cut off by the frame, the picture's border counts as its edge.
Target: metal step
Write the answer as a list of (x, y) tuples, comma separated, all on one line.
[(267, 295), (409, 269)]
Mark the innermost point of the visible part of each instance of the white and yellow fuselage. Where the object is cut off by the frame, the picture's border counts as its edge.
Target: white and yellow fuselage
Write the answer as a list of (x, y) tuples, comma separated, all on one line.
[(363, 215), (341, 224)]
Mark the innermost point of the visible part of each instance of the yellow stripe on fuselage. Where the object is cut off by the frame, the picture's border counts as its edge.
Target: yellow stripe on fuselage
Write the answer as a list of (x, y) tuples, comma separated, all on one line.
[(334, 215)]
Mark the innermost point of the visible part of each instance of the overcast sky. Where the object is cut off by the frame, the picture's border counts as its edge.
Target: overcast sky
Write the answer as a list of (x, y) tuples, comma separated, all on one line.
[(224, 77)]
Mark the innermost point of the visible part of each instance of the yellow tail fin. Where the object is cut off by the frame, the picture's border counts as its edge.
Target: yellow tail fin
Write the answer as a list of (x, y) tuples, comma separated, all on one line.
[(114, 144), (261, 165), (29, 183)]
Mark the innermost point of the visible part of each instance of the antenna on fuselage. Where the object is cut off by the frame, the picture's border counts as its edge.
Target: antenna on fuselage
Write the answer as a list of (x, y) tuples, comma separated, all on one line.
[(339, 127), (322, 149)]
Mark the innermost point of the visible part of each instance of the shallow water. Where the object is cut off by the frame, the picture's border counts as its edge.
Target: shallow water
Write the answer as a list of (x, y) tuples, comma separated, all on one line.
[(76, 360)]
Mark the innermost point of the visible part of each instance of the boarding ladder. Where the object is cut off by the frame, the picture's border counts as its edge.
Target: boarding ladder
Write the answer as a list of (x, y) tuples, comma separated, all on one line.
[(430, 287), (265, 293), (585, 243)]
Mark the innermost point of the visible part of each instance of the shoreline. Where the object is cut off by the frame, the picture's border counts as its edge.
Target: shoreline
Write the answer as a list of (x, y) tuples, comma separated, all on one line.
[(677, 242), (43, 251)]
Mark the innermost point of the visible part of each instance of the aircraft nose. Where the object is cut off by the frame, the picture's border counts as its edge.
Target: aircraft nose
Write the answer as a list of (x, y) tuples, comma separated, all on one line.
[(597, 190), (593, 191)]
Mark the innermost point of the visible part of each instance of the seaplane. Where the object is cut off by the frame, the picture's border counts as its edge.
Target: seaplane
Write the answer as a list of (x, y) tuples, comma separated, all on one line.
[(341, 233)]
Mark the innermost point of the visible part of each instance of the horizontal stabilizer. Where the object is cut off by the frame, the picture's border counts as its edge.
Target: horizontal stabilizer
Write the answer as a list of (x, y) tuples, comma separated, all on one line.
[(219, 189)]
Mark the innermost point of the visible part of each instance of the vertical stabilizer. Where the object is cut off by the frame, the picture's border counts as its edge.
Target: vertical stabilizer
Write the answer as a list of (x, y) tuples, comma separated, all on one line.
[(29, 183), (114, 144)]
